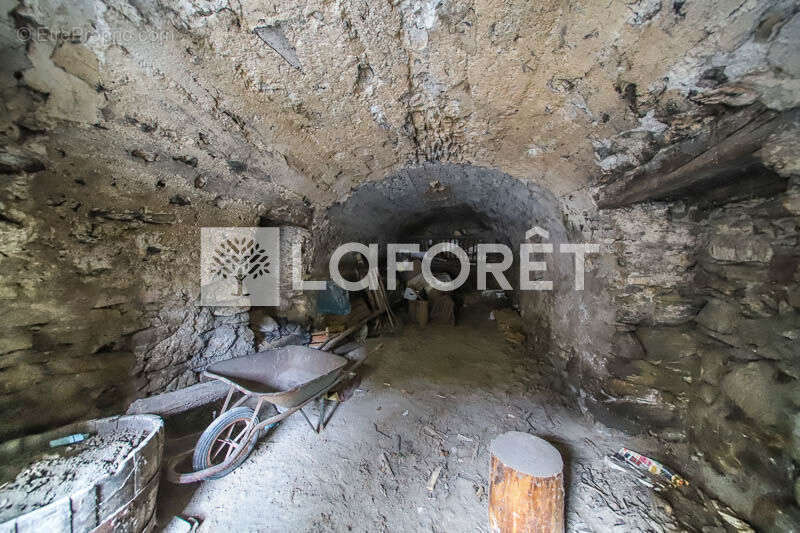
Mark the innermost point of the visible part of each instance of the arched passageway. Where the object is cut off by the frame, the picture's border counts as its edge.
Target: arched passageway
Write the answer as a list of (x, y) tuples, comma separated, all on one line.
[(565, 326)]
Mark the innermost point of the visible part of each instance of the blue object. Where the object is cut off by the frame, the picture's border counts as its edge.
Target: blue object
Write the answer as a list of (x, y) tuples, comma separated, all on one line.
[(69, 439), (334, 300)]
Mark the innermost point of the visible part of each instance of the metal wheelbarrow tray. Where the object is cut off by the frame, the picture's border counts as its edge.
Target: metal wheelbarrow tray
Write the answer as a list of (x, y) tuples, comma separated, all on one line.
[(290, 377), (286, 376)]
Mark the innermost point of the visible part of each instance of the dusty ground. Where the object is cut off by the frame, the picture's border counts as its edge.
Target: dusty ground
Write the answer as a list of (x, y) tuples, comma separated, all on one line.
[(430, 397)]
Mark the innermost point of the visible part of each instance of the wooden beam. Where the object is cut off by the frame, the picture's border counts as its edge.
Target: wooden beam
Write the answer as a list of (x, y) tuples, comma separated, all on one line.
[(336, 341), (729, 157), (179, 401)]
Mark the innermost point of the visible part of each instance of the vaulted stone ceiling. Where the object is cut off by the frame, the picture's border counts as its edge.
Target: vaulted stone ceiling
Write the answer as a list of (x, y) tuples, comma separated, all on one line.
[(308, 100)]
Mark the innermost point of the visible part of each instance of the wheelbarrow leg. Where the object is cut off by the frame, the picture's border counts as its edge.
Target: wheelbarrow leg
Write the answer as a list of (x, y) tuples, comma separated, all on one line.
[(335, 407), (323, 404), (227, 399), (307, 420)]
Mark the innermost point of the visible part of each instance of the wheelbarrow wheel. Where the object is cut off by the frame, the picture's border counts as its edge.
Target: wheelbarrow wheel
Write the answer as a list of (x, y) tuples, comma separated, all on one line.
[(221, 438)]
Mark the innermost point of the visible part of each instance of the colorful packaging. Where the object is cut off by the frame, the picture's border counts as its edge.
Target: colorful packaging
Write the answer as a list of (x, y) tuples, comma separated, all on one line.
[(642, 462)]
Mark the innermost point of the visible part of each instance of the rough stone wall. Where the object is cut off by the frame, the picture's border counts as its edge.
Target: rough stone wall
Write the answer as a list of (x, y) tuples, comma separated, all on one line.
[(104, 188), (99, 295), (706, 345), (100, 291), (745, 413), (647, 268), (183, 339)]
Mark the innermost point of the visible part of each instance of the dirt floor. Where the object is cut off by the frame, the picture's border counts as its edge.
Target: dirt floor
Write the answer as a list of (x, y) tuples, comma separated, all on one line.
[(430, 397)]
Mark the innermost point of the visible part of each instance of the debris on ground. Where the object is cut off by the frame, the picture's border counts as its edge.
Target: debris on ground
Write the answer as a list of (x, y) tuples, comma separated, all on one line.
[(644, 463), (381, 432), (387, 463), (690, 507), (434, 477), (433, 433), (146, 156), (510, 324), (604, 493)]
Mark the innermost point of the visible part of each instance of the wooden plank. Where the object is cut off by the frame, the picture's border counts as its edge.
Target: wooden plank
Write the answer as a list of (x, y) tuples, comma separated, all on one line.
[(730, 156), (115, 490), (336, 341), (133, 515), (51, 517), (83, 504), (179, 401), (346, 348)]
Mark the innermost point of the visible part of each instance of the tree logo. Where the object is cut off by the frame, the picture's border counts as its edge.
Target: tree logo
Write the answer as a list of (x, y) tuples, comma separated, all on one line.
[(239, 258), (248, 256)]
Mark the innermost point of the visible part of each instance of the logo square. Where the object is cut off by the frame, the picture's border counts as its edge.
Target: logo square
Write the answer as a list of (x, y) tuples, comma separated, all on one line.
[(240, 267)]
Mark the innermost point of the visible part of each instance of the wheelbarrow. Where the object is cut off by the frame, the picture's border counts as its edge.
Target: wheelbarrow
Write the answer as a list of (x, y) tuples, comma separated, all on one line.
[(288, 378)]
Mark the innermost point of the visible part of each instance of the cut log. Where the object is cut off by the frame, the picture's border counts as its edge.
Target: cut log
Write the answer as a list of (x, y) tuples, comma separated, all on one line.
[(181, 400), (526, 487)]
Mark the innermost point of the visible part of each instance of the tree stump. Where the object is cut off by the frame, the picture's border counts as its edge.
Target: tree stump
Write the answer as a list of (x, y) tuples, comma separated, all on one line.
[(526, 488)]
